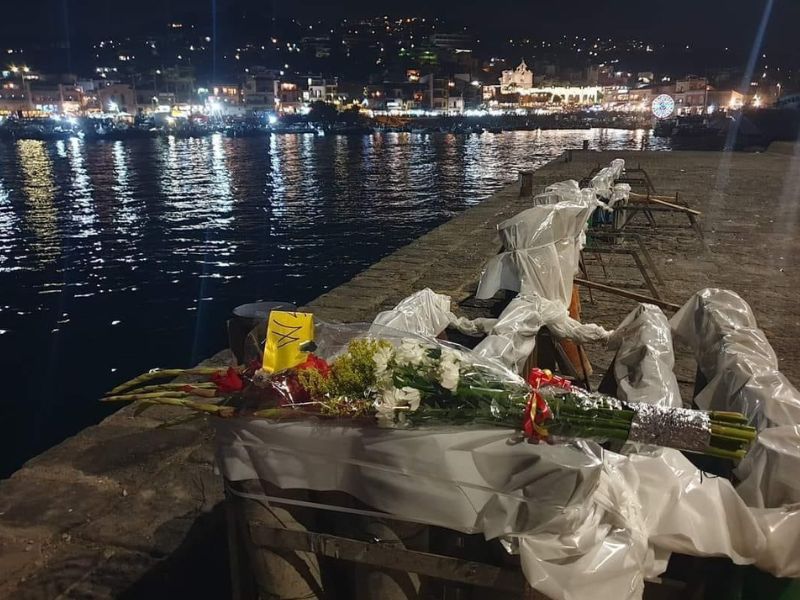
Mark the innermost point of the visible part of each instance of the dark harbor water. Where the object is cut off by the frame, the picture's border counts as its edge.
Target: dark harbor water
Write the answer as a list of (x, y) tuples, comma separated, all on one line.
[(116, 257)]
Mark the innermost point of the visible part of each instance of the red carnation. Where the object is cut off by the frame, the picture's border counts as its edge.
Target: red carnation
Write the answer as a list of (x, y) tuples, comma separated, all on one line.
[(229, 382), (315, 362)]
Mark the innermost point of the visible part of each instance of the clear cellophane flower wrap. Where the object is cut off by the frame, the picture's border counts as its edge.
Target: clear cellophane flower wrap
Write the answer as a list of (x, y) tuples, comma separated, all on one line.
[(364, 373), (562, 411), (401, 380), (369, 375)]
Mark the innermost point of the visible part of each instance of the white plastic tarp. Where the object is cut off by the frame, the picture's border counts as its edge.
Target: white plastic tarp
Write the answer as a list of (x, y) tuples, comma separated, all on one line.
[(541, 251), (644, 360), (603, 181), (644, 508), (468, 480), (736, 359), (620, 194), (647, 504), (514, 335), (618, 167), (543, 247), (427, 313), (564, 191), (742, 374), (587, 523)]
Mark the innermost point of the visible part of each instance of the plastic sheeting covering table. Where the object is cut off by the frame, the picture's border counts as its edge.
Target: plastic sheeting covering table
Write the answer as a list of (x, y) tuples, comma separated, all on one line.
[(742, 374), (603, 181), (653, 502), (472, 481), (586, 522)]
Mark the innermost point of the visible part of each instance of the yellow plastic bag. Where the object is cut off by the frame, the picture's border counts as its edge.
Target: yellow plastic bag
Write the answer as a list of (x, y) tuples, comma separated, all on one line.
[(286, 333)]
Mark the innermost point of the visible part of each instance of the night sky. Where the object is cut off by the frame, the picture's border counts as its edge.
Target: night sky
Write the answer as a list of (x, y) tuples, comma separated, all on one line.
[(701, 22)]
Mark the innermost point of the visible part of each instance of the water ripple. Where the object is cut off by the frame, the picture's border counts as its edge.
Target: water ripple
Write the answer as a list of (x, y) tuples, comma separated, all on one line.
[(116, 257)]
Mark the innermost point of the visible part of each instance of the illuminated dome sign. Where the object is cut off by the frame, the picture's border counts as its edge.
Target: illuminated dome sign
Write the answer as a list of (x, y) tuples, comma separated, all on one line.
[(663, 106)]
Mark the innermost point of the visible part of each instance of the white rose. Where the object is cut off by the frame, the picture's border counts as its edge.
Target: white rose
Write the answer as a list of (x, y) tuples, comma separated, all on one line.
[(449, 371)]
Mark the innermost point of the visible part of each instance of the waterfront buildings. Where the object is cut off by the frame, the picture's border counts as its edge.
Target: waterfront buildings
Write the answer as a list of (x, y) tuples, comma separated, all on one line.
[(412, 66), (517, 80), (517, 89)]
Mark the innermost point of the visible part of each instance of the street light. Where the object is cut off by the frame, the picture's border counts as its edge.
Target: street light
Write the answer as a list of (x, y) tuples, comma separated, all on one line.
[(21, 70)]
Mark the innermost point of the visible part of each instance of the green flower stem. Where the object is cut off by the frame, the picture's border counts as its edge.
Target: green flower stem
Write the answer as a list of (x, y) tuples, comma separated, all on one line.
[(218, 410), (742, 433), (729, 417), (589, 432), (282, 413), (720, 453), (164, 374), (147, 396), (166, 387)]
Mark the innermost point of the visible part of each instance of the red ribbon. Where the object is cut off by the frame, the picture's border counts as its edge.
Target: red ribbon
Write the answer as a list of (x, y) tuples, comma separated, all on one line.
[(537, 412)]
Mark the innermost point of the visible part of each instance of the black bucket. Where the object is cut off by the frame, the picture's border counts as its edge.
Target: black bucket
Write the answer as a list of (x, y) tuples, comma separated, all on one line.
[(245, 318)]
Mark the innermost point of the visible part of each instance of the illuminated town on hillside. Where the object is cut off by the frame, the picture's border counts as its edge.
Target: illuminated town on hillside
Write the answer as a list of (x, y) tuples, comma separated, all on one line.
[(377, 67)]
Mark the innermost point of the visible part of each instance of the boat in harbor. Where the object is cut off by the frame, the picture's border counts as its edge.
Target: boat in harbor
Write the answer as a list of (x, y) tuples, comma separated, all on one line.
[(342, 129), (294, 128), (241, 131), (111, 131), (38, 128), (191, 129), (664, 127), (390, 129)]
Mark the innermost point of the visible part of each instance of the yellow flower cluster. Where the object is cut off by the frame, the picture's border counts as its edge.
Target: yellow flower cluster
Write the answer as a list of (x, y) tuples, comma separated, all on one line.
[(352, 373)]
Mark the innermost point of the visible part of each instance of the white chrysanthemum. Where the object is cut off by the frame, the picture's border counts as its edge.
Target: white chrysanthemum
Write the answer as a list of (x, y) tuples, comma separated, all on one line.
[(393, 398), (410, 353), (410, 397), (449, 371), (381, 359), (384, 409)]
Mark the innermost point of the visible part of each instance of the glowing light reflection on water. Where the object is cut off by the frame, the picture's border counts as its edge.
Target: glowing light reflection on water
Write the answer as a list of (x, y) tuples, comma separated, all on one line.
[(164, 237)]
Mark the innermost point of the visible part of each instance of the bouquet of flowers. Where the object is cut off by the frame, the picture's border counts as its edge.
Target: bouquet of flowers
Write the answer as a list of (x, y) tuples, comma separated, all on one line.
[(561, 410), (400, 381), (395, 383)]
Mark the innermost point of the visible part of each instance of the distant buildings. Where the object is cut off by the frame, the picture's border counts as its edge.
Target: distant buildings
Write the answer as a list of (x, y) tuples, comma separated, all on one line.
[(322, 89), (381, 64), (517, 80), (691, 95), (259, 90), (517, 89), (724, 100)]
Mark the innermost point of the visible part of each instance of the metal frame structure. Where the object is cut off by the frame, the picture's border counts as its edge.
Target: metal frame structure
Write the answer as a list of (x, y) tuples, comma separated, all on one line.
[(649, 202)]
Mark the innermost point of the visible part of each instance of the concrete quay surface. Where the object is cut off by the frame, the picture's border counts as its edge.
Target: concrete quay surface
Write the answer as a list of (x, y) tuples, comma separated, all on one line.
[(131, 510)]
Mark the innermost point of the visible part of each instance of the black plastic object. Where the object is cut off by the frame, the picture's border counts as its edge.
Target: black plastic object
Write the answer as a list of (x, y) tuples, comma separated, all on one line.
[(245, 318)]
